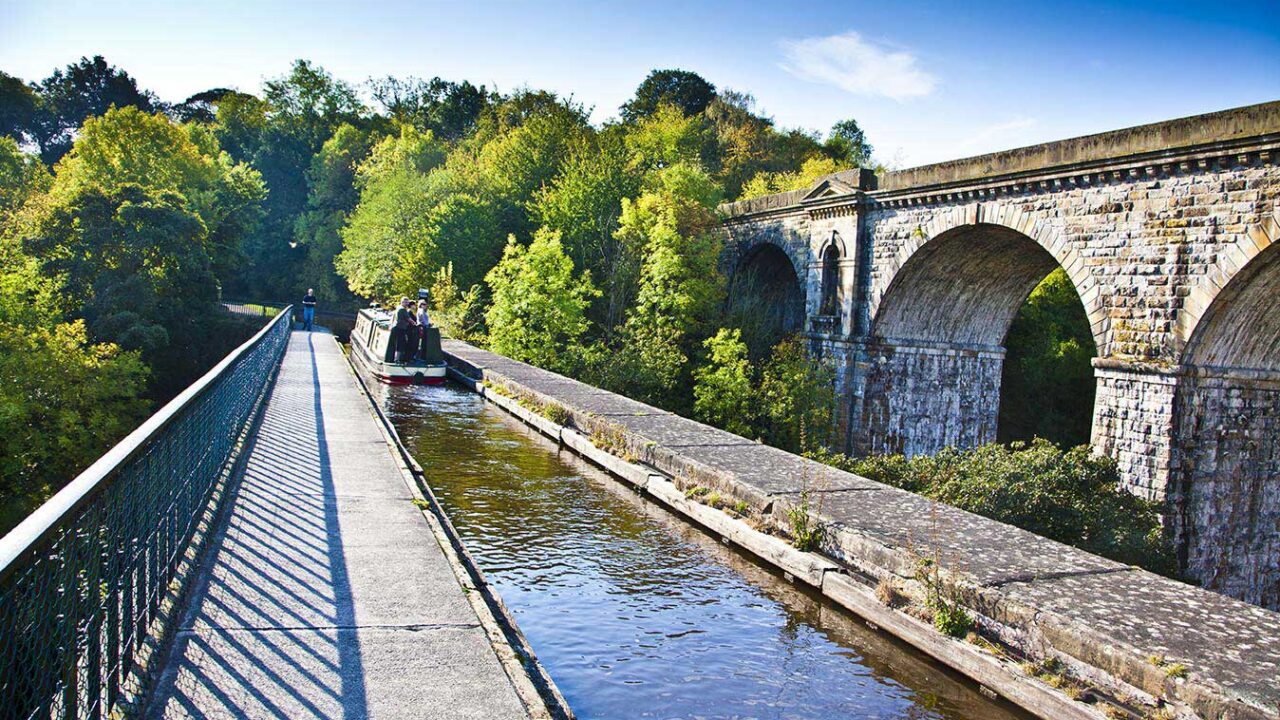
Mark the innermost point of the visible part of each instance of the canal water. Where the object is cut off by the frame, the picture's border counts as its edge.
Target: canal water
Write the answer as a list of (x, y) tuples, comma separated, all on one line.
[(633, 611)]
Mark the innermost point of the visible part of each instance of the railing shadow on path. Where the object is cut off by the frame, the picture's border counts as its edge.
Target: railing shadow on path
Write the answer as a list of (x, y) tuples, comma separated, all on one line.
[(270, 630)]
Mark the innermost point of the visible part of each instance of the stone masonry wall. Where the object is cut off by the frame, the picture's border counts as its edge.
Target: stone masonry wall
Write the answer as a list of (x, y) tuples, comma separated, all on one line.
[(1225, 511), (1133, 418), (920, 400), (1142, 241)]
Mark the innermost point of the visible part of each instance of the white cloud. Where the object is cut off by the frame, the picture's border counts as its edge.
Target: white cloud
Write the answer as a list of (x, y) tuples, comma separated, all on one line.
[(1000, 136), (858, 66)]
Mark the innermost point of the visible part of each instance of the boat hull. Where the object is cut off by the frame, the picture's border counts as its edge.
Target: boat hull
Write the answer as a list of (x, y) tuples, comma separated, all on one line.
[(372, 362)]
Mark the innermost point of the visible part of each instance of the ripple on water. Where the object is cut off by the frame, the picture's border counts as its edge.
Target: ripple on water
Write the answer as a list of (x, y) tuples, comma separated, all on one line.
[(635, 613)]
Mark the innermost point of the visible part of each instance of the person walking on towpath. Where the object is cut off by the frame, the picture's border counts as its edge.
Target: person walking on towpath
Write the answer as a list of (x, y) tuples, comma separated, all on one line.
[(309, 309)]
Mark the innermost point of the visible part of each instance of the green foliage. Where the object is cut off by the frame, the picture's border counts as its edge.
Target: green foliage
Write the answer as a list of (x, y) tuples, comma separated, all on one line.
[(583, 204), (539, 306), (395, 239), (797, 398), (686, 91), (331, 195), (767, 183), (68, 97), (134, 265), (949, 616), (1047, 385), (1066, 495), (669, 137), (449, 110), (63, 402), (458, 314), (127, 146), (723, 390), (848, 143), (806, 532), (21, 177), (18, 105), (680, 286)]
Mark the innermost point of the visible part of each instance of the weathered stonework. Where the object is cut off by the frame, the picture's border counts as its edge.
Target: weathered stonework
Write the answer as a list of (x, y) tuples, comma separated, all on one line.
[(1168, 232), (921, 399)]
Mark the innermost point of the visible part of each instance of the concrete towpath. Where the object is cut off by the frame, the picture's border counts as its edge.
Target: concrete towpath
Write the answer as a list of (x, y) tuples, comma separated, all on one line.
[(324, 592)]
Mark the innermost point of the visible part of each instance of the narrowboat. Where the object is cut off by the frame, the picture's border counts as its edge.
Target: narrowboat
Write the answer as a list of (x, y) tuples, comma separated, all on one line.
[(372, 348)]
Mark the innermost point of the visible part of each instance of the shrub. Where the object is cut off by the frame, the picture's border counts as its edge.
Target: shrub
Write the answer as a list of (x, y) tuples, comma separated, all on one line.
[(1068, 495)]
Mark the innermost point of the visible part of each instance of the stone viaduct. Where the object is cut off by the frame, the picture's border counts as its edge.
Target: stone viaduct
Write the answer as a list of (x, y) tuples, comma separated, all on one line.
[(1171, 234)]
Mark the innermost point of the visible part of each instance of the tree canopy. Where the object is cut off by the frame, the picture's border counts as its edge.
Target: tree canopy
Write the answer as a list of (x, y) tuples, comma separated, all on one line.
[(686, 91)]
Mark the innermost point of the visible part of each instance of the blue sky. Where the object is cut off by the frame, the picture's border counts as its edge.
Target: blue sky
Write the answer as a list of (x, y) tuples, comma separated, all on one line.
[(928, 81)]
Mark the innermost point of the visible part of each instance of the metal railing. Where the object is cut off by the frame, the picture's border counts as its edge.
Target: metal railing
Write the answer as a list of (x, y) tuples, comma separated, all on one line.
[(83, 578)]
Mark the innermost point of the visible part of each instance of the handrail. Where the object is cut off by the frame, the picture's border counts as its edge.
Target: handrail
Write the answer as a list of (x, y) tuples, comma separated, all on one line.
[(24, 539), (82, 577)]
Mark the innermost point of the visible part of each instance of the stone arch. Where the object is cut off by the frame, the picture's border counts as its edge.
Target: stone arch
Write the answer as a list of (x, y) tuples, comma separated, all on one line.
[(833, 239), (1225, 498), (975, 217), (771, 274), (936, 347), (829, 279), (1230, 262)]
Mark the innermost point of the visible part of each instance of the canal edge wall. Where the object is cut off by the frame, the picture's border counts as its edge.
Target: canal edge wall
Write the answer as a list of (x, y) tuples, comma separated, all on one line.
[(533, 684), (1204, 656)]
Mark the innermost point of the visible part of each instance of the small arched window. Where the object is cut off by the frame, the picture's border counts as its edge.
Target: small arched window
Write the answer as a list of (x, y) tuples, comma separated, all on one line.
[(830, 280)]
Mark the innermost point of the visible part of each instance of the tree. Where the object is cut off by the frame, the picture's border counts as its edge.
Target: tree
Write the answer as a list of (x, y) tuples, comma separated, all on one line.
[(83, 90), (459, 314), (512, 167), (63, 402), (241, 120), (723, 390), (583, 204), (201, 107), (848, 143), (768, 183), (680, 288), (18, 105), (1047, 384), (797, 398), (448, 109), (127, 146), (391, 239), (135, 266), (667, 137), (301, 111), (331, 195), (539, 306), (685, 90), (21, 177)]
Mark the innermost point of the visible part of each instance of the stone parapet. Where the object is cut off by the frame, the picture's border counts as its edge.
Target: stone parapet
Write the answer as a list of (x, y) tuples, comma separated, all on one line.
[(1040, 599)]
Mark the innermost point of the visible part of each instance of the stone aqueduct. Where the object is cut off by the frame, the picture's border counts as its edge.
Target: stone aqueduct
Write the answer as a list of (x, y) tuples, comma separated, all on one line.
[(1171, 235)]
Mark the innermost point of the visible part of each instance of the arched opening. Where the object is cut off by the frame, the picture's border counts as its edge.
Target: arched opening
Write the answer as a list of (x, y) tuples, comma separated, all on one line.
[(765, 298), (830, 280), (1225, 499), (938, 351)]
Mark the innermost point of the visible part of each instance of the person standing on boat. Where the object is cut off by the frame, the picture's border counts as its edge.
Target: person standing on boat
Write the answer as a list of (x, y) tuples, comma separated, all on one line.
[(404, 330), (309, 308), (423, 323)]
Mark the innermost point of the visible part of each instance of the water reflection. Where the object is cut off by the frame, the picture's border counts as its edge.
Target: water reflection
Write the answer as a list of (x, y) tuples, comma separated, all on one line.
[(635, 613)]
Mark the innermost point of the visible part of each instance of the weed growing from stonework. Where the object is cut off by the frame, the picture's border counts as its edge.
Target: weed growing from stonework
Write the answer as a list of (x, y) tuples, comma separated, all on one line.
[(556, 413), (696, 492), (948, 616), (806, 531)]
